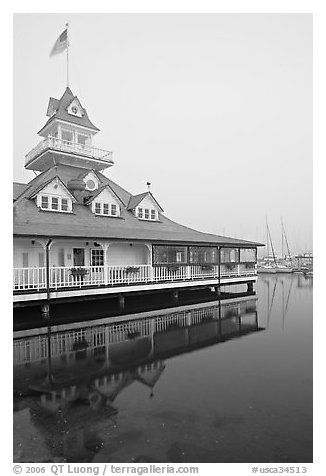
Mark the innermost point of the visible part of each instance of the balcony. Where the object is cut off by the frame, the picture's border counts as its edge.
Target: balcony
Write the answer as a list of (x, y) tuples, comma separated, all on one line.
[(34, 279), (98, 158)]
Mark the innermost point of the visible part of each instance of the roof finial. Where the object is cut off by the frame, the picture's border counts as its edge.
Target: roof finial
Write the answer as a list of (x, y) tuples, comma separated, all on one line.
[(148, 186)]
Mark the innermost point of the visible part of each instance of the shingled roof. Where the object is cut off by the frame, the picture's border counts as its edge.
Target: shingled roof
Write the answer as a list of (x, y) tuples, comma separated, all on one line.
[(29, 220), (60, 106)]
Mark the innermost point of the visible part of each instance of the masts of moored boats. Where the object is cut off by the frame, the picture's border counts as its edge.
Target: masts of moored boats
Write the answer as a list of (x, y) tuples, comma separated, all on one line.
[(269, 238), (286, 241)]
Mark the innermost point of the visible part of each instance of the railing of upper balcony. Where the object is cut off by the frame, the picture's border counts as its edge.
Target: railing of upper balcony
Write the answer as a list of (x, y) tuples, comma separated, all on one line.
[(66, 277), (70, 147)]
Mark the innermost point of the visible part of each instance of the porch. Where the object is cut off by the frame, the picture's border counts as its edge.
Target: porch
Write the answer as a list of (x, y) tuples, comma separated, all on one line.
[(78, 268)]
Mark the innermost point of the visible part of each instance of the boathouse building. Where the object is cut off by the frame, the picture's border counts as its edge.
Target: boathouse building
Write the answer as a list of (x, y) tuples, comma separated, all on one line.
[(79, 234)]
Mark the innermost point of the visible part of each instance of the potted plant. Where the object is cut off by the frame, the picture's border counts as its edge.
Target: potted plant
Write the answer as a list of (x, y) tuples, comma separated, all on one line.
[(78, 271), (230, 266), (249, 265), (132, 269), (206, 267), (173, 268)]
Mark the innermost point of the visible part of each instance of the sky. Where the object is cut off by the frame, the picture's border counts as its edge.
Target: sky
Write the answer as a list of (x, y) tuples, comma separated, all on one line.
[(215, 110)]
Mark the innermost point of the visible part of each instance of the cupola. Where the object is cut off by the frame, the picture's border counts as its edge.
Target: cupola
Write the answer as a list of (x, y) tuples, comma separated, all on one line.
[(68, 138)]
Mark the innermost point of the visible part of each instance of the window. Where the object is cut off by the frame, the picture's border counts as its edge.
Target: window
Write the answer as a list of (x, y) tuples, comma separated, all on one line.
[(147, 213), (229, 255), (67, 136), (97, 257), (61, 257), (41, 259), (25, 260), (64, 204), (90, 185), (113, 209), (44, 202), (169, 254), (248, 255), (55, 203), (82, 139), (108, 209), (203, 255)]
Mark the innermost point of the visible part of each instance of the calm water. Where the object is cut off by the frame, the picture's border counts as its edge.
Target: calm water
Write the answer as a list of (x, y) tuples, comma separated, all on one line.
[(214, 382)]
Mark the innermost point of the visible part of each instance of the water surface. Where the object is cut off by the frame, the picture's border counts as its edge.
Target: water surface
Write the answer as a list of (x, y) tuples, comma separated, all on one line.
[(227, 381)]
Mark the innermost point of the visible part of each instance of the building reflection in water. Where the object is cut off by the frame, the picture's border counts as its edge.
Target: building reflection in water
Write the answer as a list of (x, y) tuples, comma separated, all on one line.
[(70, 377)]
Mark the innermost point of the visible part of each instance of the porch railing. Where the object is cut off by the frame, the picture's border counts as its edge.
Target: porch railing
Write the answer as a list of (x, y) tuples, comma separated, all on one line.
[(69, 147), (67, 277)]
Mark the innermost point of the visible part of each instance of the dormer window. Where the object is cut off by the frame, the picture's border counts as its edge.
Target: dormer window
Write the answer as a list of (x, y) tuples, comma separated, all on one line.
[(106, 209), (91, 182), (44, 202), (55, 204), (75, 108), (147, 214)]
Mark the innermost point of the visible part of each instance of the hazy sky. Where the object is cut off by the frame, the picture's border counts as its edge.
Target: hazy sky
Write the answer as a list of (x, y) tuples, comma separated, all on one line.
[(215, 110)]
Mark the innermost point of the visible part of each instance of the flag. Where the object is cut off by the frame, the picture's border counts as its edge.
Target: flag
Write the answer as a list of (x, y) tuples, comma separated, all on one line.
[(61, 44)]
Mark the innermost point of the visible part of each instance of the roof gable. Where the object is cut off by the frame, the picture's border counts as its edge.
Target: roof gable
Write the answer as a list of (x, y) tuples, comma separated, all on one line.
[(52, 106), (54, 186), (58, 108), (75, 108), (145, 199), (105, 194)]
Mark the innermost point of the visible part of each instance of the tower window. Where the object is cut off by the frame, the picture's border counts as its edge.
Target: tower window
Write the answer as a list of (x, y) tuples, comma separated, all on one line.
[(67, 136)]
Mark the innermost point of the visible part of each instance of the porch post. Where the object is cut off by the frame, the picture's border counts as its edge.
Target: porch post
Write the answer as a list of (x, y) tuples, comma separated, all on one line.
[(151, 270), (106, 271)]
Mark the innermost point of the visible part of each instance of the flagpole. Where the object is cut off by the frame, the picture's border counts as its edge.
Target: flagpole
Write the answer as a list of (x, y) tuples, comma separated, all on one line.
[(67, 25)]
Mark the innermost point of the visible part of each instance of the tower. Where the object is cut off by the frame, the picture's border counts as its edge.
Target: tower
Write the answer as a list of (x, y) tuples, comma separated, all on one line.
[(67, 138)]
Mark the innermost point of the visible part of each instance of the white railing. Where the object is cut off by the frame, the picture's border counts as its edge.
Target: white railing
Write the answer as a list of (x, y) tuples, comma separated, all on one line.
[(67, 146), (29, 278), (83, 276)]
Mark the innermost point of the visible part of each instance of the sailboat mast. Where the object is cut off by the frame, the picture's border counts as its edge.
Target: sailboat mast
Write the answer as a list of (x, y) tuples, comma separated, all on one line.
[(286, 241), (270, 239), (282, 238)]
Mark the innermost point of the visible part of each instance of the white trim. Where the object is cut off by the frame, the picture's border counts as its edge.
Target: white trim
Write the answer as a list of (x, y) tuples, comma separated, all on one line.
[(101, 213), (143, 214), (60, 121), (130, 289)]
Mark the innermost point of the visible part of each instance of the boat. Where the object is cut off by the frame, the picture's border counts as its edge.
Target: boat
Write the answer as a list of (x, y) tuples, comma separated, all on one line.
[(266, 269), (282, 268)]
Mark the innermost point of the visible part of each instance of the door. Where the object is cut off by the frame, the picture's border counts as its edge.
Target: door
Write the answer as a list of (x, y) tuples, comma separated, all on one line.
[(78, 256)]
